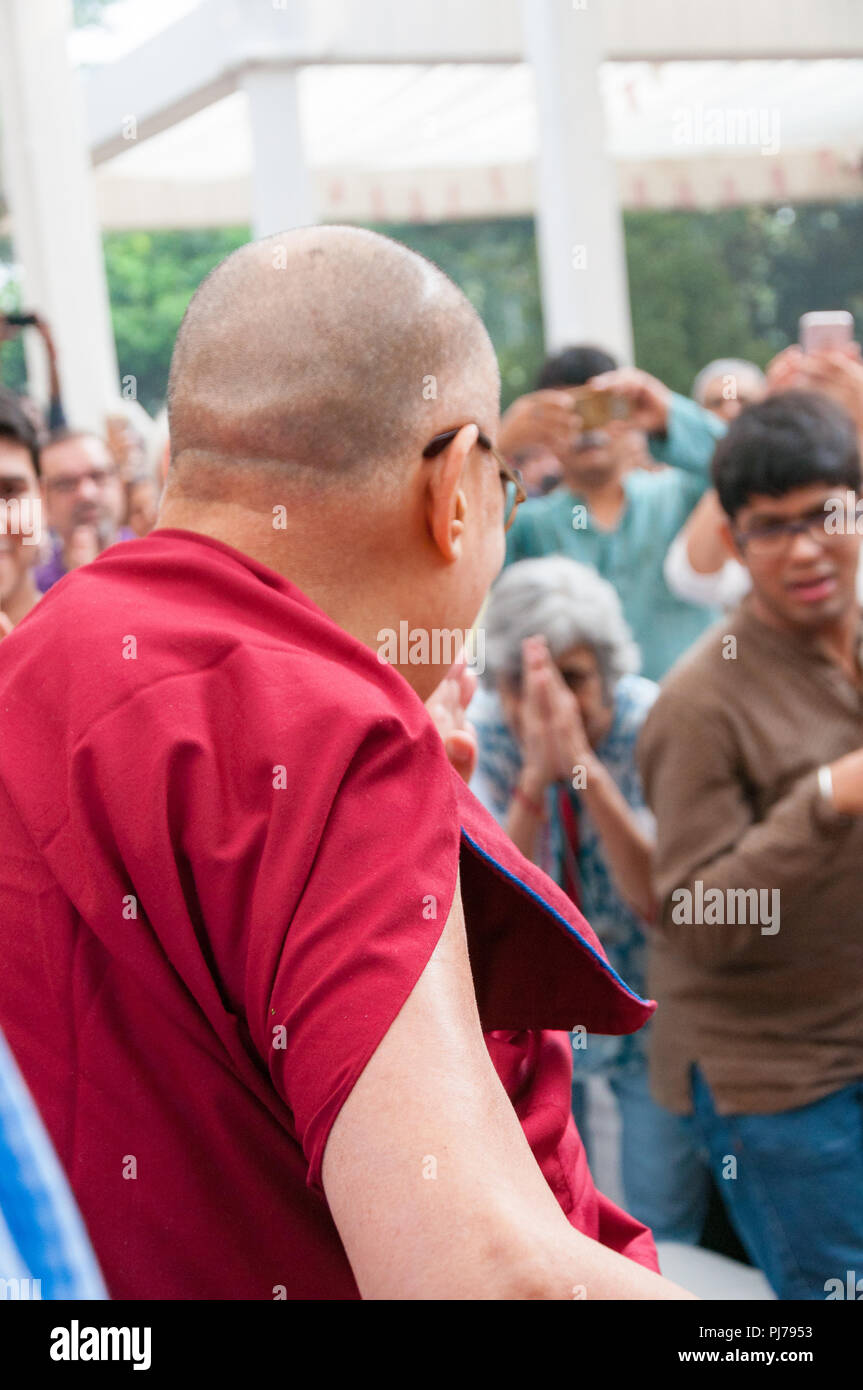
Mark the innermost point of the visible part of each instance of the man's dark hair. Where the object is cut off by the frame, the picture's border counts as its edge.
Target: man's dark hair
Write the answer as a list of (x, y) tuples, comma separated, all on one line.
[(15, 424), (573, 367), (787, 441)]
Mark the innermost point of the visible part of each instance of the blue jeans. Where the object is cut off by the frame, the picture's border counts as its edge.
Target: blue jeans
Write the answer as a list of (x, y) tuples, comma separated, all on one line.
[(665, 1174), (796, 1200), (665, 1177)]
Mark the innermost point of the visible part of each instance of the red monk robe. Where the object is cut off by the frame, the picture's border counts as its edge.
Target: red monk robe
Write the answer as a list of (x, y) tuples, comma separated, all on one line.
[(230, 840)]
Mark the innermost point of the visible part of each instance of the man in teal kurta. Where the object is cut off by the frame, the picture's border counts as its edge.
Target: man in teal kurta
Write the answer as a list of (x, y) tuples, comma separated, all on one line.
[(619, 519)]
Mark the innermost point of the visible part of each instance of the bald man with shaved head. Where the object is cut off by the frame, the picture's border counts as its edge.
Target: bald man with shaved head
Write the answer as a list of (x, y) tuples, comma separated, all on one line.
[(300, 1001), (320, 357)]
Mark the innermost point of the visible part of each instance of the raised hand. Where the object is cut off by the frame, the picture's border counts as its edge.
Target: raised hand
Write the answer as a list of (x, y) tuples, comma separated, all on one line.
[(447, 705), (646, 396), (543, 417), (837, 374)]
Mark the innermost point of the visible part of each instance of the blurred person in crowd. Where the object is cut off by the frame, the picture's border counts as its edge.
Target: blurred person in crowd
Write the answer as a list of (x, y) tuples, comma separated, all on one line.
[(128, 433), (617, 518), (84, 502), (20, 512), (539, 468), (837, 373), (541, 419), (698, 566), (557, 718), (159, 449), (634, 452), (752, 764), (142, 504), (272, 1012), (55, 418), (725, 386)]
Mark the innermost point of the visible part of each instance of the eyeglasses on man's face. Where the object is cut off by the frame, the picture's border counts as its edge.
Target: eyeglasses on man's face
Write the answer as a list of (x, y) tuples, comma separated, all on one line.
[(67, 484), (774, 537), (513, 485)]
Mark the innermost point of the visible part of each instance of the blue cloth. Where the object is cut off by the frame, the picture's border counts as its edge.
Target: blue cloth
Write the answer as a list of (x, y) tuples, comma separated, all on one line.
[(632, 556), (666, 1179), (792, 1184), (44, 1249), (664, 1176)]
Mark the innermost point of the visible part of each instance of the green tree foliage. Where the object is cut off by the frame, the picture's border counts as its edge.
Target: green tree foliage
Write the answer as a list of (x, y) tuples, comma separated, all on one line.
[(810, 259), (495, 264), (151, 278), (693, 280), (703, 285), (89, 11), (734, 283), (13, 372)]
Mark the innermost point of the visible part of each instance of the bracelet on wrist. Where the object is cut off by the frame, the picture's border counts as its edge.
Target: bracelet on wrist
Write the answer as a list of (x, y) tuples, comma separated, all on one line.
[(825, 784)]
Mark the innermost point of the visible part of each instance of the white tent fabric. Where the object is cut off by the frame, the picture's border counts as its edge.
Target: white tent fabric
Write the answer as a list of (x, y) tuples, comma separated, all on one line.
[(416, 142), (201, 113)]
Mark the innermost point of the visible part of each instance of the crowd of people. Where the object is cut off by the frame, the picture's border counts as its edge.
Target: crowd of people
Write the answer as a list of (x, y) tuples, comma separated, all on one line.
[(747, 756), (74, 491), (664, 746)]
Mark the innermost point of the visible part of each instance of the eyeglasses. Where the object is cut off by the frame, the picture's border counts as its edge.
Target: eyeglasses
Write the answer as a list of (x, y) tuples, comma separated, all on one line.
[(513, 484), (66, 486), (772, 537), (715, 402)]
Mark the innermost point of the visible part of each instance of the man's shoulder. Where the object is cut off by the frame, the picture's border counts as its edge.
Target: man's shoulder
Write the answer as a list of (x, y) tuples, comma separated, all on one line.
[(706, 674), (138, 631), (666, 495)]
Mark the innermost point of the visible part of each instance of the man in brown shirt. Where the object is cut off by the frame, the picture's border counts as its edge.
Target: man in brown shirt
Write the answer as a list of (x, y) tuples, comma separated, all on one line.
[(752, 763)]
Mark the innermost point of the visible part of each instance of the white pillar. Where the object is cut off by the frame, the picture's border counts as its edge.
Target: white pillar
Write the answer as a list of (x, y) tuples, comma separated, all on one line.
[(48, 184), (579, 226), (281, 188)]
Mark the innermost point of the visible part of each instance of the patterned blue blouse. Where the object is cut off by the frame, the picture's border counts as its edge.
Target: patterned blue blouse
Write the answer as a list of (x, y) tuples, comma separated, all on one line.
[(619, 928)]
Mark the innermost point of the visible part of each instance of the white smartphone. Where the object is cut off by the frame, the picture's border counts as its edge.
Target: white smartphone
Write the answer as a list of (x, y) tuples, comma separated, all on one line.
[(826, 331)]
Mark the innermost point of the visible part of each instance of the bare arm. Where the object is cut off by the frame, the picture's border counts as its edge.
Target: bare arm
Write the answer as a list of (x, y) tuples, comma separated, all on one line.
[(705, 547), (628, 849), (487, 1225), (527, 812)]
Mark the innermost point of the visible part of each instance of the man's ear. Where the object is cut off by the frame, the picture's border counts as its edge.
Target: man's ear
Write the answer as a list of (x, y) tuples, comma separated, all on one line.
[(728, 540), (446, 498)]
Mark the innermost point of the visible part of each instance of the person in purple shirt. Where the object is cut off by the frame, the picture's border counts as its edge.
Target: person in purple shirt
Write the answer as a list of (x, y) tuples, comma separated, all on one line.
[(84, 502)]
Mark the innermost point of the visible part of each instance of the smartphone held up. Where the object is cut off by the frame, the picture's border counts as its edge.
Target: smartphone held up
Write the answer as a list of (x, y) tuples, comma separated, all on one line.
[(826, 331)]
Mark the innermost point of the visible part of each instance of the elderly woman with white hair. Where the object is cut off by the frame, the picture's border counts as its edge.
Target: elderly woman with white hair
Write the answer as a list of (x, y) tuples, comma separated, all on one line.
[(728, 384), (558, 715)]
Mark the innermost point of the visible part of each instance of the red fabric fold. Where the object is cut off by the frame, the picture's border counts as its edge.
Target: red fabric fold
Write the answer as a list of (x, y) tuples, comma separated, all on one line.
[(230, 841)]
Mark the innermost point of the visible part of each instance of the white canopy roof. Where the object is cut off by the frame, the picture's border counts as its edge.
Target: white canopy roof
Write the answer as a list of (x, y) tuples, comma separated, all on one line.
[(214, 112), (418, 142)]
